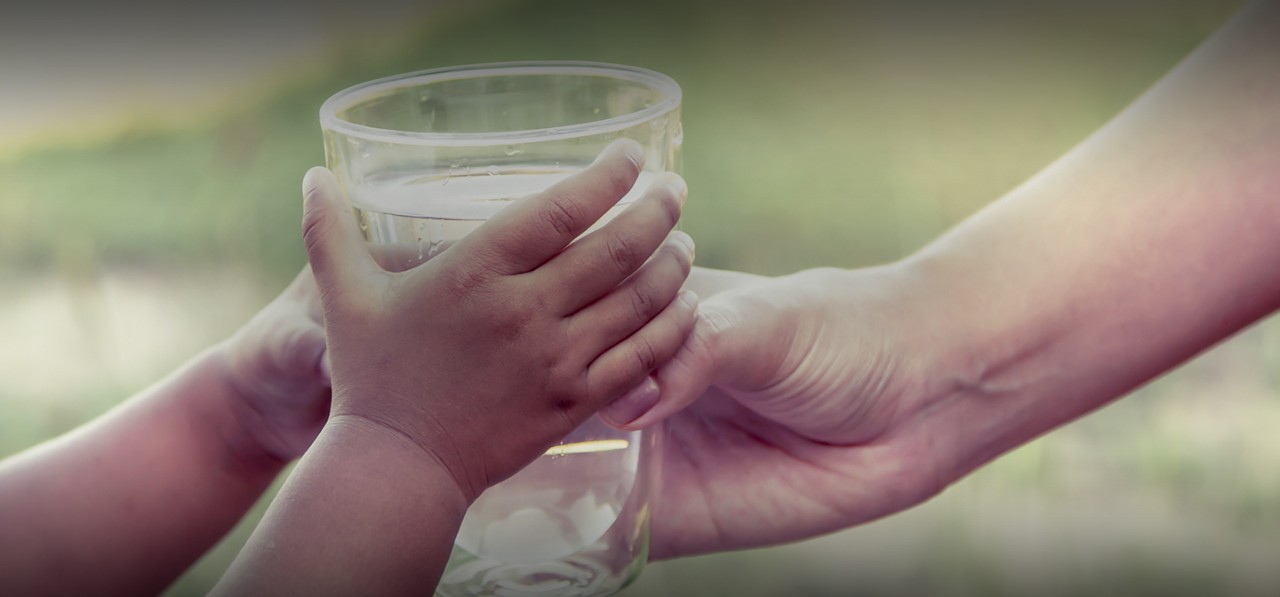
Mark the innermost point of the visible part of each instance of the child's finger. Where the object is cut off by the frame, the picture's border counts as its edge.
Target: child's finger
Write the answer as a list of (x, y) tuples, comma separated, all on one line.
[(674, 385), (601, 260), (335, 247), (624, 366), (534, 229), (637, 300)]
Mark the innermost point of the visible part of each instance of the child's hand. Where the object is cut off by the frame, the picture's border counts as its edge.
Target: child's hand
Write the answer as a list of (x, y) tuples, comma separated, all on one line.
[(486, 355), (277, 365)]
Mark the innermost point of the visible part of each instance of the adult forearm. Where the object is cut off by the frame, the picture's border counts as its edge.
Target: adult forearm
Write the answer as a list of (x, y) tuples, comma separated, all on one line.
[(366, 511), (1151, 241), (124, 505)]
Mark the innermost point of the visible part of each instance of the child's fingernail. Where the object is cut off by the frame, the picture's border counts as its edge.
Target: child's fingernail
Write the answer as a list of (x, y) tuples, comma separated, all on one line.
[(313, 182), (634, 151), (630, 148), (680, 188), (684, 240), (636, 402)]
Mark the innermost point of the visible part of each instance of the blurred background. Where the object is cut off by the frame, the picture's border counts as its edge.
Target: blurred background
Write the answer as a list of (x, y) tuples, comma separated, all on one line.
[(151, 158)]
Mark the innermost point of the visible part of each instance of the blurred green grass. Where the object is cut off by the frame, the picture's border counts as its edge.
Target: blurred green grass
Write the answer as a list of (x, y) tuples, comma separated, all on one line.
[(817, 133), (822, 133)]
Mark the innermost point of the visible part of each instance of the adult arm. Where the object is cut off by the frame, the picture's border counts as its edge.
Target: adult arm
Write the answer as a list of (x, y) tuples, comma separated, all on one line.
[(841, 396)]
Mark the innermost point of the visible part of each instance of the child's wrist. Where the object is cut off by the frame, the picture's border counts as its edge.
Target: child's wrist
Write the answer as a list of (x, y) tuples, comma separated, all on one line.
[(205, 401), (359, 431), (242, 430)]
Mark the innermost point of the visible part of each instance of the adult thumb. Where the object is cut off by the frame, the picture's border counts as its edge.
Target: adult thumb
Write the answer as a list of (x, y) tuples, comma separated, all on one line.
[(335, 247)]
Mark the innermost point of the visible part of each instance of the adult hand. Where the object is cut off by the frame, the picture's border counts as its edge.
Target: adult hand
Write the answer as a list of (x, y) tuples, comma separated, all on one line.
[(817, 419)]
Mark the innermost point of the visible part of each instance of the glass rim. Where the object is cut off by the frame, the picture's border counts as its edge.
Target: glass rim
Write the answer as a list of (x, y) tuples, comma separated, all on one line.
[(353, 95)]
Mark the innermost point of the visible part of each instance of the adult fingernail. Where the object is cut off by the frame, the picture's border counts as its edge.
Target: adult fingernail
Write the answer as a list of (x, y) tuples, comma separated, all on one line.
[(632, 405), (689, 298)]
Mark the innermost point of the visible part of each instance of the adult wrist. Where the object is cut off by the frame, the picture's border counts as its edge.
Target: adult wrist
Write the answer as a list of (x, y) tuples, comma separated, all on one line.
[(981, 349)]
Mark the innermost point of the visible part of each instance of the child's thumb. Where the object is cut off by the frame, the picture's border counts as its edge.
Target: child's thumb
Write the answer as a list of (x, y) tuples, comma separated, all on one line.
[(334, 245)]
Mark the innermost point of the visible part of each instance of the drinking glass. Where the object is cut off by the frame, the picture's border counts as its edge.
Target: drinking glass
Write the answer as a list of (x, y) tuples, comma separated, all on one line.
[(425, 158)]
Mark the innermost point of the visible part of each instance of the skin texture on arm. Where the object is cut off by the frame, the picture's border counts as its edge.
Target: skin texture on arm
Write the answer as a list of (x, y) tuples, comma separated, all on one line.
[(124, 504), (842, 396), (451, 376), (1156, 238)]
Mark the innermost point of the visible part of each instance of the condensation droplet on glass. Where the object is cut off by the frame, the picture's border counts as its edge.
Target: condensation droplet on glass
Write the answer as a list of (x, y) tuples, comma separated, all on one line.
[(595, 110), (491, 170), (678, 137), (512, 150)]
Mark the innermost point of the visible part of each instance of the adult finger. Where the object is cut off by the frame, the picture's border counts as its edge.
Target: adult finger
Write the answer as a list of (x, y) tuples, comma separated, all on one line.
[(534, 229)]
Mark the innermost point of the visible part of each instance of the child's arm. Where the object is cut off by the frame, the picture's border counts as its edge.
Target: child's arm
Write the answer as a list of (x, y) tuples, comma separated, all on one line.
[(123, 505), (451, 376)]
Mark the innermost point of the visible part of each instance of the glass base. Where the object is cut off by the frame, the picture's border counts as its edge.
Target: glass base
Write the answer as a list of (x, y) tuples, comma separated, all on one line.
[(578, 575)]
